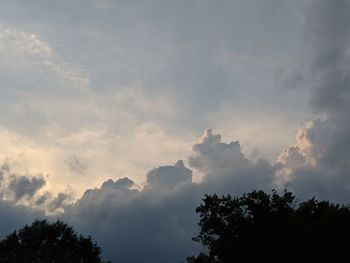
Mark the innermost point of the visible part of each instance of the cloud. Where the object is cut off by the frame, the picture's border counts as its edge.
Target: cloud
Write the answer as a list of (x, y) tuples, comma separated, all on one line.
[(22, 186), (169, 176), (16, 186), (123, 183), (312, 167), (211, 155), (225, 167)]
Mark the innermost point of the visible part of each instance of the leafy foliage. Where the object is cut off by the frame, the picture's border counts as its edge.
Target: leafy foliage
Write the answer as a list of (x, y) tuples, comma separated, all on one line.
[(261, 227), (45, 242)]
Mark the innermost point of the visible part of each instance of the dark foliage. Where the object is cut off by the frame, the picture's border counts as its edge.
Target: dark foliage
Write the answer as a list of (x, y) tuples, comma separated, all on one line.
[(261, 227), (45, 242)]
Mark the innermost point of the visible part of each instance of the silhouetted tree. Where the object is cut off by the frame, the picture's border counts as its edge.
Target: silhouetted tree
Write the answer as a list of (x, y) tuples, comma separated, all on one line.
[(45, 242), (261, 227)]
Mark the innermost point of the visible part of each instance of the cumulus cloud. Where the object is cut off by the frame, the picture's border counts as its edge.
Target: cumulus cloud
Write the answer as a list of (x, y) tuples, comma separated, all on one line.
[(226, 168), (211, 155), (22, 186), (169, 176), (123, 183), (312, 167)]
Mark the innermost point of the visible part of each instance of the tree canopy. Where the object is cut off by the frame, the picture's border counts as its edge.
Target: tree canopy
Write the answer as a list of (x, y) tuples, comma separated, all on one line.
[(262, 227), (45, 242)]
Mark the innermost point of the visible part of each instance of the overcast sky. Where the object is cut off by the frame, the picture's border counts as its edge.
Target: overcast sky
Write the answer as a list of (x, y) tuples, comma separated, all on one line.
[(95, 91)]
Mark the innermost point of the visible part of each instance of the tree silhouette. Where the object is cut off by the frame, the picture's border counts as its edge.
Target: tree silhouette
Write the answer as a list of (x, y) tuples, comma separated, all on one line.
[(261, 227), (45, 242)]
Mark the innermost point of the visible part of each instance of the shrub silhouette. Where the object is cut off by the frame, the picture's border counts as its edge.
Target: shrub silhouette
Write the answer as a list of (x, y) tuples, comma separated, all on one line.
[(261, 227), (45, 242)]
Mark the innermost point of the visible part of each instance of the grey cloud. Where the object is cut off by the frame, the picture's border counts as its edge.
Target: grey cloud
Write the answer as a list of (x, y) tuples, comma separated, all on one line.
[(225, 167), (16, 186), (123, 183), (210, 154), (24, 186), (26, 189), (58, 202), (169, 176), (52, 204)]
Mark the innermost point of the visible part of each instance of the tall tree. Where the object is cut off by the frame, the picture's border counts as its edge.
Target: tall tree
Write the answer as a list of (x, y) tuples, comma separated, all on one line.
[(44, 242), (261, 227)]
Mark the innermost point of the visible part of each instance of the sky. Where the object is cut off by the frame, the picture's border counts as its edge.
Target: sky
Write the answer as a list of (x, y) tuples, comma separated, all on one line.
[(127, 112)]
